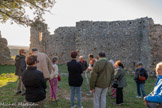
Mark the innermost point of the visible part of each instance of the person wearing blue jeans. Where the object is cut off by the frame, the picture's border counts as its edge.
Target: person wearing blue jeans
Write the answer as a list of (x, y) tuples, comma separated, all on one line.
[(140, 84), (72, 97), (142, 87), (75, 79)]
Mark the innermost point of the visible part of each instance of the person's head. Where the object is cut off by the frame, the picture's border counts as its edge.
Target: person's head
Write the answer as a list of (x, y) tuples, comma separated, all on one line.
[(159, 69), (55, 60), (81, 58), (74, 54), (139, 65), (22, 52), (90, 56), (34, 50), (32, 60), (118, 64), (102, 54)]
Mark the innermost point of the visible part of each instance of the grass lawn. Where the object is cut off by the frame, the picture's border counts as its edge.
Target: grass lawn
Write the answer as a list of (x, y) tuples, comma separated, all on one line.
[(8, 85)]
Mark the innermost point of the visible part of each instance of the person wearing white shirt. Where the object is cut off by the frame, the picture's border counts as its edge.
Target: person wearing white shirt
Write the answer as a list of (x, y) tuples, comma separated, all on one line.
[(54, 80)]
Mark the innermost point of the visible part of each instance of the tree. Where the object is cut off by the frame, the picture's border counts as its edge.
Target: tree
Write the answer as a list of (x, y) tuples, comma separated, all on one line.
[(15, 10)]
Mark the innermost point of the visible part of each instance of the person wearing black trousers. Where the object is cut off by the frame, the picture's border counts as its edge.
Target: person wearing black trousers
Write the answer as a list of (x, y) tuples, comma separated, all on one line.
[(120, 77)]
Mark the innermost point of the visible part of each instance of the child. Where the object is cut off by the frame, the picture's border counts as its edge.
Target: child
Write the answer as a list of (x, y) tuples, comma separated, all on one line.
[(53, 81), (140, 71)]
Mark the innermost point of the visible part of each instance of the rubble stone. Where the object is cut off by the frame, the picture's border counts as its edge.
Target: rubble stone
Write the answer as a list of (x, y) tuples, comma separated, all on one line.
[(5, 58), (129, 41)]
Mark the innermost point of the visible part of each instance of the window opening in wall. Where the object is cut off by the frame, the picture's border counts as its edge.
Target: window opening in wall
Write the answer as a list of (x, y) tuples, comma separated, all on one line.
[(40, 36), (134, 64)]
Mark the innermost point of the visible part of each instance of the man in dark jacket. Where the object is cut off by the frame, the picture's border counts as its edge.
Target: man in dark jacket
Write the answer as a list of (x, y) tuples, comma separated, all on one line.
[(75, 79), (20, 67), (140, 83), (34, 83), (83, 63)]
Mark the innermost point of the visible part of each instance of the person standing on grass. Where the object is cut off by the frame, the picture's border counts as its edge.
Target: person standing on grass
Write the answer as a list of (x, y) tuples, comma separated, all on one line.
[(140, 84), (44, 63), (75, 79), (101, 78), (54, 80), (120, 78), (34, 83), (83, 63), (154, 99), (20, 67), (89, 69)]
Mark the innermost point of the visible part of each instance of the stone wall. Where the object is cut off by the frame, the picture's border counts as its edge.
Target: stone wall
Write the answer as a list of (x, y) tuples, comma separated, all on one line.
[(120, 40), (129, 41), (5, 58), (61, 43), (156, 43)]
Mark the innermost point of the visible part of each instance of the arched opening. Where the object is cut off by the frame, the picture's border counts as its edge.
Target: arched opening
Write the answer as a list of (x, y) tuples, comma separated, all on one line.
[(40, 36)]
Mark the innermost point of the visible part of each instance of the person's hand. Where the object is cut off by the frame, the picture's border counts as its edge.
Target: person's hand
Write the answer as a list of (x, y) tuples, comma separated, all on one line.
[(89, 69), (93, 90), (47, 79), (145, 101)]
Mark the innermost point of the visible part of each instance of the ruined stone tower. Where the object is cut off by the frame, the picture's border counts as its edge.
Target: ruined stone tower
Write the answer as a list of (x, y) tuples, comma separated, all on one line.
[(129, 41), (5, 58)]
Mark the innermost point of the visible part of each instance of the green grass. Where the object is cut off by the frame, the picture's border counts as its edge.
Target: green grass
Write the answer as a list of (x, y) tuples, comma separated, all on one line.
[(7, 92)]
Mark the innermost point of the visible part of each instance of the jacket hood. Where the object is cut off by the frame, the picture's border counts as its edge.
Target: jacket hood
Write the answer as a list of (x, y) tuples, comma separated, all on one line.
[(18, 57)]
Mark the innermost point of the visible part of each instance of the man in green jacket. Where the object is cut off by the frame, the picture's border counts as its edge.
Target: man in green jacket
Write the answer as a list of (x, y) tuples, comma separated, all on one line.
[(101, 79)]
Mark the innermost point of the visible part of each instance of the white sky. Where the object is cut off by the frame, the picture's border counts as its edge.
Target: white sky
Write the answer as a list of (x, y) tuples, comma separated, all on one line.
[(68, 12)]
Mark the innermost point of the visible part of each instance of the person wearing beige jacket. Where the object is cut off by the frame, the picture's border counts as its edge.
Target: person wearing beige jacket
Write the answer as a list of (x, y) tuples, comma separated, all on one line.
[(44, 64)]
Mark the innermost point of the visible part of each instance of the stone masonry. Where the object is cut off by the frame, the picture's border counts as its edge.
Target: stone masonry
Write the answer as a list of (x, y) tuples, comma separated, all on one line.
[(129, 41), (5, 58)]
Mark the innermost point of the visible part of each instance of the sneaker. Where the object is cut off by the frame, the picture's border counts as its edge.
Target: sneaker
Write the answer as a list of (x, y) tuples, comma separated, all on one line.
[(138, 97), (73, 106), (89, 93), (18, 92), (23, 93)]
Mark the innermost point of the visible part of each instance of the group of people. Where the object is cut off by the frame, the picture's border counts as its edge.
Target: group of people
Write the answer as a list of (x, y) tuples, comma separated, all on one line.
[(33, 73), (104, 74)]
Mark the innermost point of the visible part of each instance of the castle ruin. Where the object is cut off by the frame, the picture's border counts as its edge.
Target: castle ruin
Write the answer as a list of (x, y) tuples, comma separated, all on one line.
[(5, 58), (129, 41)]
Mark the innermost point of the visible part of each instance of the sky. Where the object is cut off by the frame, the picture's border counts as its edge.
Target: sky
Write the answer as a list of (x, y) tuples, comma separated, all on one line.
[(68, 12)]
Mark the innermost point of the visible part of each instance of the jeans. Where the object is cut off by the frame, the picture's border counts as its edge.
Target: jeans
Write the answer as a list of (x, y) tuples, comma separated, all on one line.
[(119, 95), (99, 97), (142, 88), (154, 105), (72, 97)]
